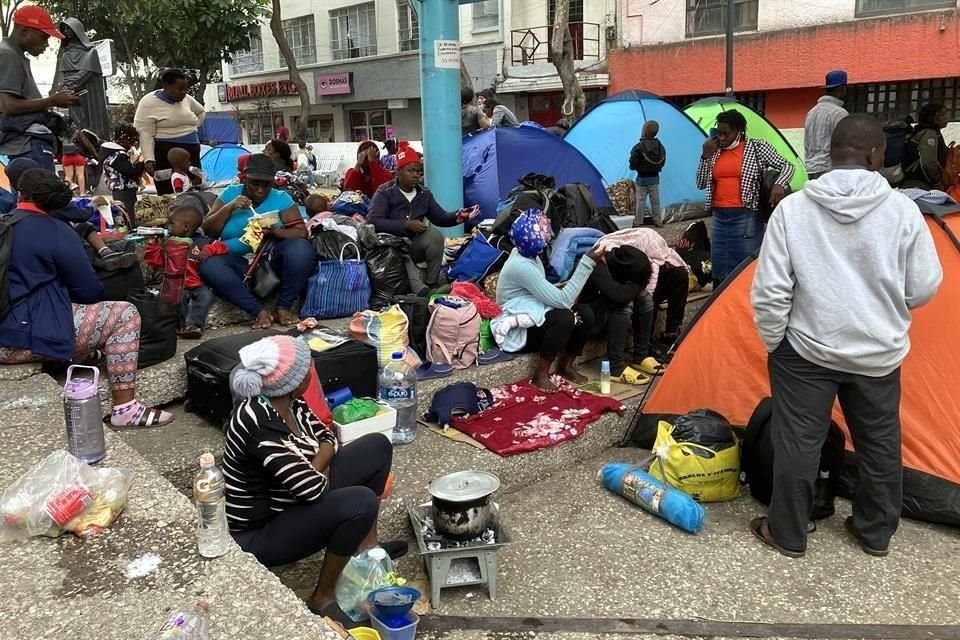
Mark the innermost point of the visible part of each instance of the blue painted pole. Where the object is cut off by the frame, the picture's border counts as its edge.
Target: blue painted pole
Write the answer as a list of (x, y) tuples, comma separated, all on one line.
[(440, 103)]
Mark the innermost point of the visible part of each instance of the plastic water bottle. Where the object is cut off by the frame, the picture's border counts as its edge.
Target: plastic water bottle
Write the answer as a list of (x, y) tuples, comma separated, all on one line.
[(398, 388), (605, 377), (187, 623), (365, 573), (83, 417), (213, 533)]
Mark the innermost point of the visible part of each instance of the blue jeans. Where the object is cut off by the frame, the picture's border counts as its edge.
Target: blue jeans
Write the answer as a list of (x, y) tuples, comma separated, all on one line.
[(293, 260), (194, 306), (736, 235), (40, 152)]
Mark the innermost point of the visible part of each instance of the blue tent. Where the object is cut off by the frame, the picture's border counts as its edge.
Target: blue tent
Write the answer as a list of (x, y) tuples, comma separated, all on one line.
[(220, 127), (494, 161), (220, 163), (608, 131)]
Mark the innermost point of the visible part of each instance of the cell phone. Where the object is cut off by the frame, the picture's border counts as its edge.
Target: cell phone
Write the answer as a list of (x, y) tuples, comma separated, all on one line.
[(713, 132), (81, 93)]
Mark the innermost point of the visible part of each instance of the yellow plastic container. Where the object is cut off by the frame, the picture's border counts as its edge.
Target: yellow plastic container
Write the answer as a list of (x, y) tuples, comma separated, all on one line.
[(364, 633)]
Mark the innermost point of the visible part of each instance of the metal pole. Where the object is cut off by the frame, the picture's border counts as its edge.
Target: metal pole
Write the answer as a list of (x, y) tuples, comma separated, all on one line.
[(730, 9), (440, 103)]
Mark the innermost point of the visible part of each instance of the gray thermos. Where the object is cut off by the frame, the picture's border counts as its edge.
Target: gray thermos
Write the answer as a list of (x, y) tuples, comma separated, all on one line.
[(81, 410)]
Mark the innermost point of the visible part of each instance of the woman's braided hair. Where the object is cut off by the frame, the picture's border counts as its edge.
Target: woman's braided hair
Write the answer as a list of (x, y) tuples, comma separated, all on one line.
[(44, 189)]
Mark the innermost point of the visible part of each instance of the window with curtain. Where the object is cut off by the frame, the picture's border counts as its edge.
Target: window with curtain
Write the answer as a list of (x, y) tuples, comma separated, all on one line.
[(486, 14), (884, 7), (302, 38), (250, 60), (408, 26), (709, 17), (353, 31)]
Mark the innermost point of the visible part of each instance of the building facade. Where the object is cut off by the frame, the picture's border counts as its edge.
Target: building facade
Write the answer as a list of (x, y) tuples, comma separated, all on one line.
[(899, 54)]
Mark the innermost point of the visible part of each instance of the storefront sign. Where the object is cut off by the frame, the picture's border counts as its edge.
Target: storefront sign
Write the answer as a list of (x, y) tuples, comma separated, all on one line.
[(333, 84), (446, 54), (260, 90)]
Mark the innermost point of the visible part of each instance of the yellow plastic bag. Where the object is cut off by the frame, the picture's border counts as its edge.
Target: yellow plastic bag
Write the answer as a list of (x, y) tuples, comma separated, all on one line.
[(387, 331), (714, 478)]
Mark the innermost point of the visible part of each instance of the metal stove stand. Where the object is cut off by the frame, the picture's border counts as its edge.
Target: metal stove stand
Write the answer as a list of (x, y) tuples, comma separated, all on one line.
[(459, 566)]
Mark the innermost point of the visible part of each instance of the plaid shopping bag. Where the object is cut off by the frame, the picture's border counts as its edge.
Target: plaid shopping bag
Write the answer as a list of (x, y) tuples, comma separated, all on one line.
[(339, 289)]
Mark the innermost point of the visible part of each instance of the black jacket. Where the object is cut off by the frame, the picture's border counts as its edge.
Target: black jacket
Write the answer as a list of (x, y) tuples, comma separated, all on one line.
[(648, 157), (390, 210)]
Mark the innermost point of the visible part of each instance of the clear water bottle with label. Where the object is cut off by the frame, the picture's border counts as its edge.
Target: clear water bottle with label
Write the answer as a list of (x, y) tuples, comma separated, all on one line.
[(398, 388), (82, 414), (187, 623), (213, 533)]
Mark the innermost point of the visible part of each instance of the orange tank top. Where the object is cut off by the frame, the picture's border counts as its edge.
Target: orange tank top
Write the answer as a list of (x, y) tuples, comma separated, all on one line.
[(726, 178)]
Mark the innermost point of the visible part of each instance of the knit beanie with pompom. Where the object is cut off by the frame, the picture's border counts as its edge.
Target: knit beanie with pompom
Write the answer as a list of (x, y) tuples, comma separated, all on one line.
[(273, 366)]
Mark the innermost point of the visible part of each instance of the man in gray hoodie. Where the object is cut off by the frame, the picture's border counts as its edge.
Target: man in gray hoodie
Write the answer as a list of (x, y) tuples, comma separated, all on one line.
[(843, 263)]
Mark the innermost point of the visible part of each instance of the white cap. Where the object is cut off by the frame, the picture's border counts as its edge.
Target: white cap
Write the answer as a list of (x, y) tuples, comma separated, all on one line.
[(207, 460)]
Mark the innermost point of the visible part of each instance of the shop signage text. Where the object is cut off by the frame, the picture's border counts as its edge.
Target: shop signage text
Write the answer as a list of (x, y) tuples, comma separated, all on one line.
[(333, 84), (260, 90)]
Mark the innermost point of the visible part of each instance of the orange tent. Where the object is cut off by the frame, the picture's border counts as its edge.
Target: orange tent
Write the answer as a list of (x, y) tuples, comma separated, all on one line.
[(4, 181), (721, 364)]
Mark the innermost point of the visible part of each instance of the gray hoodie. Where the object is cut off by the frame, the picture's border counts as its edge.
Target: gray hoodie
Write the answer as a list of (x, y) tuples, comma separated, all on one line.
[(842, 264)]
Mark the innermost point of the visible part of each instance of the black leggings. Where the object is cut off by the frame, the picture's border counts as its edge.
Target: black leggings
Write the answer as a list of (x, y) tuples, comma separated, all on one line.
[(339, 520), (560, 333)]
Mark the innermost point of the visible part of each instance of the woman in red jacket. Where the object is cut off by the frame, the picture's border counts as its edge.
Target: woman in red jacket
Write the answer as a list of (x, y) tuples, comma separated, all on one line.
[(367, 175)]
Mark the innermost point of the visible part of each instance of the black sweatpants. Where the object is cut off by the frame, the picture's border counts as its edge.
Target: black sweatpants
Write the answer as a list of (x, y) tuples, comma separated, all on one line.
[(673, 284), (614, 322), (803, 397), (339, 520), (560, 333)]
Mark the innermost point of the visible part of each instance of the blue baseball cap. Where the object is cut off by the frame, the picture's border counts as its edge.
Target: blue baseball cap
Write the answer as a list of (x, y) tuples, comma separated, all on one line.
[(835, 78)]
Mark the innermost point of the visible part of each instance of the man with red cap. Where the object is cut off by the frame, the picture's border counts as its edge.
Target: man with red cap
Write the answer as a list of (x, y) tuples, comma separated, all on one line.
[(23, 125), (403, 207)]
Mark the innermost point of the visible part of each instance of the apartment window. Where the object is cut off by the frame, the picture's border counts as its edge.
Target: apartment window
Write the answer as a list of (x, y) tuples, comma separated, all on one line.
[(353, 31), (250, 60), (884, 7), (370, 125), (302, 38), (894, 100), (709, 17), (408, 26), (319, 128), (486, 15)]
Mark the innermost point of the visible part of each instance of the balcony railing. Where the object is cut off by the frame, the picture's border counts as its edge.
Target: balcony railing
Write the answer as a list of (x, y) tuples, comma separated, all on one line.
[(533, 45)]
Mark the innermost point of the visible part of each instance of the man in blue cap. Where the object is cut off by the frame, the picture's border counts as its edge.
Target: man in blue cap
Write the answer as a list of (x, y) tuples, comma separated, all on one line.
[(821, 121)]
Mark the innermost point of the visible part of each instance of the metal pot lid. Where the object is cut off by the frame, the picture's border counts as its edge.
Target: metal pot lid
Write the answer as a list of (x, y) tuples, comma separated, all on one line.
[(464, 486)]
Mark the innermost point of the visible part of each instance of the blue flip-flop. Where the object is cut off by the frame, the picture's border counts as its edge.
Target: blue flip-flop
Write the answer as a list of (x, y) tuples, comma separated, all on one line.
[(433, 371), (493, 356)]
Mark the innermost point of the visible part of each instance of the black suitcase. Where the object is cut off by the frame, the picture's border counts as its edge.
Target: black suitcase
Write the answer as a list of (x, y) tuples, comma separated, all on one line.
[(208, 374), (352, 364)]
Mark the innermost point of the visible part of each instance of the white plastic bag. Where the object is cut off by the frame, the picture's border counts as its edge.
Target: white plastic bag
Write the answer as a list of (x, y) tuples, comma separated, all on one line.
[(364, 574), (62, 493)]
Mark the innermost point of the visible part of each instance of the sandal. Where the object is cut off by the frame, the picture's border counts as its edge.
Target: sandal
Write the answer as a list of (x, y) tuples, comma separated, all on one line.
[(761, 529), (190, 332), (633, 377), (651, 366), (333, 612), (151, 417)]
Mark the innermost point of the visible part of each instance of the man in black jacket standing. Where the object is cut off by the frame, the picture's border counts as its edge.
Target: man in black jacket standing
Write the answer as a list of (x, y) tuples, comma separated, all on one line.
[(647, 158)]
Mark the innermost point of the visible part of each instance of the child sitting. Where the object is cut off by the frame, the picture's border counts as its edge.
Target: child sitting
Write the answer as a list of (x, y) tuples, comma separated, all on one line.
[(121, 172), (315, 204), (183, 226), (184, 177)]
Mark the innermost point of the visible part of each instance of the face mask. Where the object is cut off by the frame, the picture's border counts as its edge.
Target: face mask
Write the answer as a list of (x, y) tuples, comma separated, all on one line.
[(733, 145)]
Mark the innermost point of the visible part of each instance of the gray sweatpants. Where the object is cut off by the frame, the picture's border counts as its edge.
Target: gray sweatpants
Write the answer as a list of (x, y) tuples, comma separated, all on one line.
[(803, 397), (644, 190), (425, 247)]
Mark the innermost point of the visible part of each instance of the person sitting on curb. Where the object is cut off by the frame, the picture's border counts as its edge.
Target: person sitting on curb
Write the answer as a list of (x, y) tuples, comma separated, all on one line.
[(844, 262), (402, 207)]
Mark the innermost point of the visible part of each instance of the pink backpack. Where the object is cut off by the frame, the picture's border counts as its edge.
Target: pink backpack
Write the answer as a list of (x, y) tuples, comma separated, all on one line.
[(453, 333)]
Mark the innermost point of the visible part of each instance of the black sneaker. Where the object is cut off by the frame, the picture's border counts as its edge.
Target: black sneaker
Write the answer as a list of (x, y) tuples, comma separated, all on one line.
[(873, 551), (114, 261)]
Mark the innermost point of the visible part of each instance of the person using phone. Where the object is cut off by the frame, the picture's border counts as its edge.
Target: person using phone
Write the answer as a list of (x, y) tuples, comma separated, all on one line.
[(368, 174), (731, 171)]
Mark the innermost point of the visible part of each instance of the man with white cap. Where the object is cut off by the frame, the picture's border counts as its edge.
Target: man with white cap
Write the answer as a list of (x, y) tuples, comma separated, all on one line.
[(821, 121), (23, 130)]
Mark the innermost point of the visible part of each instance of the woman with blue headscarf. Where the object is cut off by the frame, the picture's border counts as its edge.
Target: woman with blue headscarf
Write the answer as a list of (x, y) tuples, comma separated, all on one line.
[(539, 316)]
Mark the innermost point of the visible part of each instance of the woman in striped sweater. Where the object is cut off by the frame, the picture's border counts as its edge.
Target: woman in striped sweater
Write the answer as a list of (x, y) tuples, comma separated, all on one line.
[(291, 490)]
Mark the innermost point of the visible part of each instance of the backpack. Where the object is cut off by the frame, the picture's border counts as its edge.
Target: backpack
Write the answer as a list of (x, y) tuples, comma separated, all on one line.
[(648, 158), (6, 250), (477, 259), (897, 133), (453, 333), (418, 316), (757, 461), (574, 207)]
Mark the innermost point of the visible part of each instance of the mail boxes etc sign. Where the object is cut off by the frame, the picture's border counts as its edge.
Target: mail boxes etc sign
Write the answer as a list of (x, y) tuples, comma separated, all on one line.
[(334, 84), (274, 88)]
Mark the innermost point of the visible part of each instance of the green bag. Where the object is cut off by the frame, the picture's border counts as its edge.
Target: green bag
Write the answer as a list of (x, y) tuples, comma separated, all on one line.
[(355, 410), (486, 336)]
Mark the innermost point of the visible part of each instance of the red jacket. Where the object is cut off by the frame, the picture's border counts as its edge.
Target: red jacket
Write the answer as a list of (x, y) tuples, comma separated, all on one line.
[(153, 257), (368, 184)]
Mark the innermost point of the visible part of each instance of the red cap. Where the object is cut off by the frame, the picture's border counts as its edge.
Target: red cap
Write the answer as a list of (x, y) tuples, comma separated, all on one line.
[(35, 17), (406, 155)]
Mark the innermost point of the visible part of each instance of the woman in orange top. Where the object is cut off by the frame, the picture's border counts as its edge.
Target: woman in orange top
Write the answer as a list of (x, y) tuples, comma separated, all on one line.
[(731, 170)]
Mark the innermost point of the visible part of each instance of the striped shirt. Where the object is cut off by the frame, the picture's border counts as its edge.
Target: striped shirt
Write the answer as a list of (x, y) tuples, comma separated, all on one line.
[(267, 468), (818, 129)]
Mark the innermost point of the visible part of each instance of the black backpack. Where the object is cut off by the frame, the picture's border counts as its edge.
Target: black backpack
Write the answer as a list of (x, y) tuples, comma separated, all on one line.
[(6, 250), (897, 134), (573, 206), (756, 461)]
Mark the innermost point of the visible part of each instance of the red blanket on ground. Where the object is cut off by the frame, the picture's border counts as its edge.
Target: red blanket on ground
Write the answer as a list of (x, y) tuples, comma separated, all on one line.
[(524, 418)]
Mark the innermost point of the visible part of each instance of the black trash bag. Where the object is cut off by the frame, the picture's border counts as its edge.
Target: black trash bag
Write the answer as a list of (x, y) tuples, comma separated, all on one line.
[(706, 428), (118, 283), (386, 256), (329, 245), (159, 322)]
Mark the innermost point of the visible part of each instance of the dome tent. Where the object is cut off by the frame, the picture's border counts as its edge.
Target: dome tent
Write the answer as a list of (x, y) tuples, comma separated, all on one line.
[(704, 112), (494, 161), (610, 129), (219, 163)]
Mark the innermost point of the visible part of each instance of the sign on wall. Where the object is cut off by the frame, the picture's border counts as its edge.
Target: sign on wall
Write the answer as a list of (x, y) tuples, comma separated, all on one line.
[(255, 90), (333, 84), (105, 53), (446, 54)]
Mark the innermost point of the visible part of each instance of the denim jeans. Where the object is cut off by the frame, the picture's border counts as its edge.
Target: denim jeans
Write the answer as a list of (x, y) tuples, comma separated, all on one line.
[(40, 152), (736, 235), (293, 260), (614, 322), (194, 306)]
